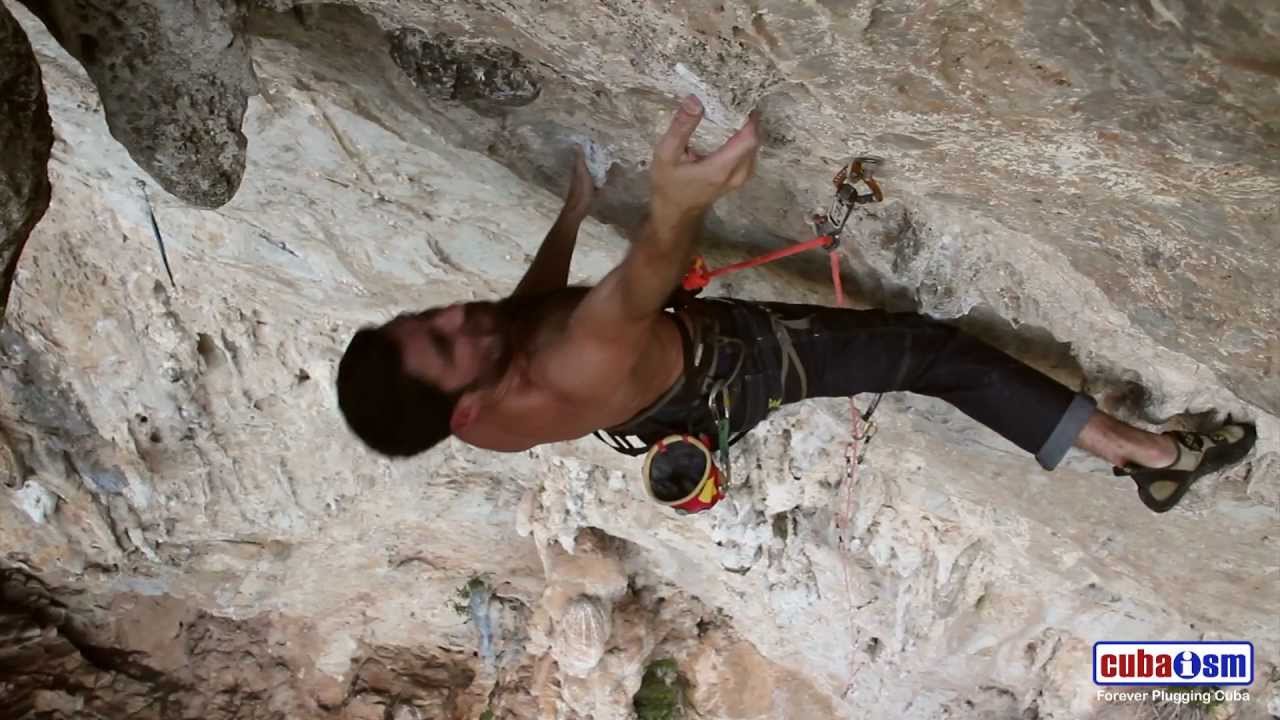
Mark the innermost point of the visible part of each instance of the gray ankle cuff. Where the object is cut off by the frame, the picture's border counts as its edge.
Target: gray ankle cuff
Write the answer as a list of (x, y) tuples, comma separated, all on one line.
[(1064, 435)]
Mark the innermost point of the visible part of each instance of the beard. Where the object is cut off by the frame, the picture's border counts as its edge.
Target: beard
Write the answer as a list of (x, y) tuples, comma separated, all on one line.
[(511, 325), (497, 323)]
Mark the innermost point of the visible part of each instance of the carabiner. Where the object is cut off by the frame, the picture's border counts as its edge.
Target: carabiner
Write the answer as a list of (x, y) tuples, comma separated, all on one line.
[(720, 415)]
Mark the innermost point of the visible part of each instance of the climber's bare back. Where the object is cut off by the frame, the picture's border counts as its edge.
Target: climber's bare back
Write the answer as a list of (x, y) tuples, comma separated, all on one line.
[(562, 385)]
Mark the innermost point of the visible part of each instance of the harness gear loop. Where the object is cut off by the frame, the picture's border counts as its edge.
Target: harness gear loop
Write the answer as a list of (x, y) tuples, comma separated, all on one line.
[(789, 354), (720, 340)]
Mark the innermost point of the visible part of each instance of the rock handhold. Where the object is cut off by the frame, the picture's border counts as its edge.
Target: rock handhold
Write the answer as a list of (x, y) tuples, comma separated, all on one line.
[(174, 79), (26, 134), (477, 74)]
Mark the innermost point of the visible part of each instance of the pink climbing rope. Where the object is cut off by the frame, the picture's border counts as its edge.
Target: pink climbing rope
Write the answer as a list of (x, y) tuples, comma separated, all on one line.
[(852, 451)]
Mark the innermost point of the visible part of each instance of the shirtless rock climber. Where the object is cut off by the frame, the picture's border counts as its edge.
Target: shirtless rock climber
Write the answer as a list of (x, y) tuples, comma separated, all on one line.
[(552, 363)]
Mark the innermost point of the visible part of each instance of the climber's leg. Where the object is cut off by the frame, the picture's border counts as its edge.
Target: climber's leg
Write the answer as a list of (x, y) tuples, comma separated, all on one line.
[(1121, 444), (846, 352)]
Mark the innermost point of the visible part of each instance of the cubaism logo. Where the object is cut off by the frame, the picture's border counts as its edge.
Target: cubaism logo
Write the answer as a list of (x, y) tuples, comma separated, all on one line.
[(1173, 663)]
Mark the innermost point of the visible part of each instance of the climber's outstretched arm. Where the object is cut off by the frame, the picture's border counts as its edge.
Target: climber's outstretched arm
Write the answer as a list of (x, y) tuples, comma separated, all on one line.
[(550, 267), (684, 186), (613, 324)]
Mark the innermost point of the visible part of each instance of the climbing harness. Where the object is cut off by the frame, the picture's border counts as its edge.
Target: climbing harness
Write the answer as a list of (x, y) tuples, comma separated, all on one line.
[(689, 471), (704, 351)]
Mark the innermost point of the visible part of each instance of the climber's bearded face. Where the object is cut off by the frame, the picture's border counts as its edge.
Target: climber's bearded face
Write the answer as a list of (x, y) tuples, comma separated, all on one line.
[(457, 348)]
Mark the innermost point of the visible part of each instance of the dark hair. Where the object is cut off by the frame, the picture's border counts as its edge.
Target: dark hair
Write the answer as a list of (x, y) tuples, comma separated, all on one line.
[(394, 413)]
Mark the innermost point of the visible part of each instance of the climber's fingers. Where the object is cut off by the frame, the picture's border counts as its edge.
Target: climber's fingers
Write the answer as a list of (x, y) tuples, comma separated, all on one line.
[(735, 160), (675, 141)]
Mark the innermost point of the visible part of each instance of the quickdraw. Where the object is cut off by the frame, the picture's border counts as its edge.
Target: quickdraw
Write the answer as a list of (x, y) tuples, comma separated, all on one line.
[(827, 227), (720, 396)]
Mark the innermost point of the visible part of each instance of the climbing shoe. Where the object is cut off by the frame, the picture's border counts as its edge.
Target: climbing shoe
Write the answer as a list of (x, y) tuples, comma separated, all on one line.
[(1199, 454)]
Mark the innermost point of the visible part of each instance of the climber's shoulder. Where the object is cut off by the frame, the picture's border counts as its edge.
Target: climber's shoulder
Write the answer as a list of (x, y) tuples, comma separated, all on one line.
[(582, 360)]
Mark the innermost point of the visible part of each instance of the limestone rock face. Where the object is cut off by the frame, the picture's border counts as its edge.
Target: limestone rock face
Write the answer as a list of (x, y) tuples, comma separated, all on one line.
[(26, 136), (173, 80), (157, 657), (189, 531)]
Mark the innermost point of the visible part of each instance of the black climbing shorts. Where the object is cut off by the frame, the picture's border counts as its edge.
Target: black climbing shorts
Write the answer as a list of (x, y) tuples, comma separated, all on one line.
[(837, 352)]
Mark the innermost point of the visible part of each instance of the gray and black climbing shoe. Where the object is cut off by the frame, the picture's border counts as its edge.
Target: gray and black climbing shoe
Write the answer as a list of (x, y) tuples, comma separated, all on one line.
[(1199, 454)]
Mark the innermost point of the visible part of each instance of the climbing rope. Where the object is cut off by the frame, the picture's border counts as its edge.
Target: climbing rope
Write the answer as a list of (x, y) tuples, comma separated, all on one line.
[(859, 434)]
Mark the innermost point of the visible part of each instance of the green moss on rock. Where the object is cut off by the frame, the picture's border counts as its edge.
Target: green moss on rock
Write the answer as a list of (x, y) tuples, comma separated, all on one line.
[(661, 693)]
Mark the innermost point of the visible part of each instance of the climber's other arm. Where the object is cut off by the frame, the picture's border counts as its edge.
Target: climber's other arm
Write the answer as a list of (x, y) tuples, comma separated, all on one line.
[(550, 267)]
